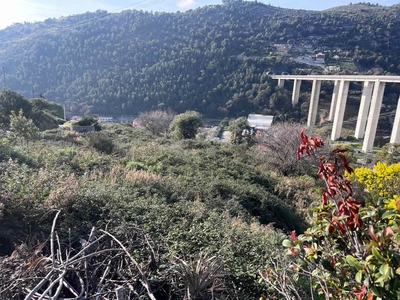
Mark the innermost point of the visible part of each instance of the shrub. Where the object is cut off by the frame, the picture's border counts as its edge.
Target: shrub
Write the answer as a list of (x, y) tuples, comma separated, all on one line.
[(351, 249), (101, 143), (390, 153), (382, 182), (240, 131), (157, 121), (185, 126), (87, 121), (22, 129), (279, 144)]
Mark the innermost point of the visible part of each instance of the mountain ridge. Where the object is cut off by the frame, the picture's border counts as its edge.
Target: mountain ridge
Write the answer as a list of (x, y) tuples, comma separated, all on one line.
[(213, 59)]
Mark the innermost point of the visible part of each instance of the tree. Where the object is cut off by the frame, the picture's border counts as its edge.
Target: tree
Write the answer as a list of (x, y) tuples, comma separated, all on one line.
[(280, 142), (240, 130), (41, 104), (21, 128), (12, 101), (185, 126), (156, 121)]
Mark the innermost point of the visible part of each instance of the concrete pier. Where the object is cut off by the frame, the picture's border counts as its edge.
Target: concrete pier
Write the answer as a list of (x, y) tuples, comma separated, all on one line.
[(312, 112), (340, 108), (334, 100), (395, 137), (364, 109), (296, 91), (370, 105), (373, 116)]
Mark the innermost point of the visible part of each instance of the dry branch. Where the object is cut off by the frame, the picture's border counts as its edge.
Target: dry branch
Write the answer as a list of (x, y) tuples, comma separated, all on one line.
[(100, 268)]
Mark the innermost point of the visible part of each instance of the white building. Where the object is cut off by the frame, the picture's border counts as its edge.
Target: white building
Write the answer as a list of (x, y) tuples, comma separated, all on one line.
[(106, 119), (320, 58), (259, 122)]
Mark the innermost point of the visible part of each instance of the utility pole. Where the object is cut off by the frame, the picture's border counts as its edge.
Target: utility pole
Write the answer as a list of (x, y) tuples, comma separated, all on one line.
[(4, 77)]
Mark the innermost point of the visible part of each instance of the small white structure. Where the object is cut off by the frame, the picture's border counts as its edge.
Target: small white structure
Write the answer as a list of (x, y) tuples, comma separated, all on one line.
[(106, 119), (259, 122), (283, 47), (320, 58)]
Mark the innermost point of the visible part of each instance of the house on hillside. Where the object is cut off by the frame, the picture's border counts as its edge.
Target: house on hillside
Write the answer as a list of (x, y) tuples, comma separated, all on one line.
[(283, 47), (106, 119), (259, 122), (320, 58)]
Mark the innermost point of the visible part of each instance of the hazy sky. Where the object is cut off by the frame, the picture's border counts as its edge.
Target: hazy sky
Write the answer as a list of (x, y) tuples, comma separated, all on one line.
[(18, 11)]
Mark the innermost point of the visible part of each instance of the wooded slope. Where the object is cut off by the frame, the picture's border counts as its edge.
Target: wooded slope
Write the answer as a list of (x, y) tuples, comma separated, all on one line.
[(213, 59)]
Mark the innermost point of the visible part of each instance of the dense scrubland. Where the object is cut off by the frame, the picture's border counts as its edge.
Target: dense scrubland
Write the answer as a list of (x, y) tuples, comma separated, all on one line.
[(188, 196), (197, 219)]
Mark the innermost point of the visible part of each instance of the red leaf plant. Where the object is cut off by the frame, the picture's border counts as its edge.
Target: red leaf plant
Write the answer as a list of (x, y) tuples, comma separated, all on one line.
[(351, 249), (338, 188)]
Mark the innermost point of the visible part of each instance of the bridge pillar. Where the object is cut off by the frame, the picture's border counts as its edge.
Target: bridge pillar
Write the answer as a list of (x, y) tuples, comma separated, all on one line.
[(312, 112), (296, 91), (340, 108), (395, 137), (364, 108), (373, 116), (281, 82), (334, 100)]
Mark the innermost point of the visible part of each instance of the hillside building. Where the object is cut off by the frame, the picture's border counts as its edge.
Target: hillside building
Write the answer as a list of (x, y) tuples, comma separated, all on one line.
[(320, 58), (259, 122)]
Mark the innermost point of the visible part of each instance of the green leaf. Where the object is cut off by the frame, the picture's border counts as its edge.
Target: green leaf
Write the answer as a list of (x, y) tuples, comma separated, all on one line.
[(388, 214), (384, 269), (367, 281), (359, 276), (381, 279), (376, 291), (287, 243), (301, 262), (398, 271), (353, 262), (377, 255)]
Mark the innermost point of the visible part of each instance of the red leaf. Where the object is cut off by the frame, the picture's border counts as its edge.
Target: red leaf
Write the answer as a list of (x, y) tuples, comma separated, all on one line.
[(339, 150), (360, 292), (325, 198), (371, 233)]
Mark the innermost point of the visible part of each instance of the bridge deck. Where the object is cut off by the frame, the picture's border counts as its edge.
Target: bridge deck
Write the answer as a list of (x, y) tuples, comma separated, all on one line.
[(381, 78)]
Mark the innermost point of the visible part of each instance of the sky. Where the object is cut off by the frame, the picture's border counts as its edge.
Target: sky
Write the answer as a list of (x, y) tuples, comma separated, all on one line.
[(19, 11)]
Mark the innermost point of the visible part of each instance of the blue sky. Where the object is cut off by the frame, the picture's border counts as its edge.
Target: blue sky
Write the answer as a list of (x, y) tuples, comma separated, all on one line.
[(18, 11)]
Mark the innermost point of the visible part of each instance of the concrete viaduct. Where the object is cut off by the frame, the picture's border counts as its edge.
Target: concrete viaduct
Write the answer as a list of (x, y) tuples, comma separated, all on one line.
[(370, 107)]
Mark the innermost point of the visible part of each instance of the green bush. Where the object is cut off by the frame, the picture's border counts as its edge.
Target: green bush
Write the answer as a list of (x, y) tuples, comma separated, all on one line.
[(87, 121), (101, 143), (185, 126)]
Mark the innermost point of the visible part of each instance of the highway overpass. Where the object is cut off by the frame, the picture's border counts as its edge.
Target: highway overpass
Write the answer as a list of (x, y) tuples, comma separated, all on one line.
[(370, 106)]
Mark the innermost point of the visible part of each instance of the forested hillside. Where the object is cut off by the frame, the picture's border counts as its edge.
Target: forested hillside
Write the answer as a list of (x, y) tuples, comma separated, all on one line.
[(213, 59)]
